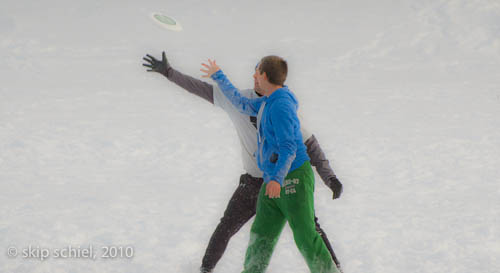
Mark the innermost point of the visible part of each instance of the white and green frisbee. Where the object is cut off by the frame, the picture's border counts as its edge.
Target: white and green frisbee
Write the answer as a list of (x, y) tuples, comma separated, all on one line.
[(166, 21)]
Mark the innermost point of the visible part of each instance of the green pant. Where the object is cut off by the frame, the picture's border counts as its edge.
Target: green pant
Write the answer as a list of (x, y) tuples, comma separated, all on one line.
[(295, 205)]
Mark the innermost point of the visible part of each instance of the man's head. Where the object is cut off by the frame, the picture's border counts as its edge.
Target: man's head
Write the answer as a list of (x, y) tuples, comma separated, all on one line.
[(270, 74)]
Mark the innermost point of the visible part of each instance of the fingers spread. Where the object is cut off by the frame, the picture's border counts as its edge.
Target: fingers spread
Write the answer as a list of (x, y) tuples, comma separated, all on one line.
[(148, 60), (152, 58)]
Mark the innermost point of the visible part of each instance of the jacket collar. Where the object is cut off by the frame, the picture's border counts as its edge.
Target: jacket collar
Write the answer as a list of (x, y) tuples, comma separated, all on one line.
[(280, 92)]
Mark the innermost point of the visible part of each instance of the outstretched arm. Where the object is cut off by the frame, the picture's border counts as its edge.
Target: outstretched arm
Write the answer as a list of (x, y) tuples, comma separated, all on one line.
[(188, 83), (244, 105), (322, 165), (192, 85)]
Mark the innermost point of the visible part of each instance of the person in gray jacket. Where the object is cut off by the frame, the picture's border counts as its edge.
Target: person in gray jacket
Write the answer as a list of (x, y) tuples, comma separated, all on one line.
[(242, 205)]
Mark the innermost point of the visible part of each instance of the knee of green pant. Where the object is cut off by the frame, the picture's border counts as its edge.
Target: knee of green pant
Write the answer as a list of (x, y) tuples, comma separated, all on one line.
[(265, 231), (257, 229), (268, 228), (305, 233), (308, 241), (265, 239)]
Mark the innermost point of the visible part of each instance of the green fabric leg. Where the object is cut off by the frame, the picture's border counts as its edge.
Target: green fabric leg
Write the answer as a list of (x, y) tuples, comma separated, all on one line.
[(265, 232), (295, 205)]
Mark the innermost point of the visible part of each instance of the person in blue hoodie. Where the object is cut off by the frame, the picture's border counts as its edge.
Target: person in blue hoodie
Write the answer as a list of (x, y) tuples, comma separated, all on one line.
[(287, 194)]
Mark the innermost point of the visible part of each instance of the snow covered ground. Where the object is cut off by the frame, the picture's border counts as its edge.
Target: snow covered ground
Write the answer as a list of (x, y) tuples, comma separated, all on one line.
[(404, 97)]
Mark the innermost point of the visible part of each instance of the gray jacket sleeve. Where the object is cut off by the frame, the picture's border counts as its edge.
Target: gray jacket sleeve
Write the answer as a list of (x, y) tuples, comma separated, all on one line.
[(318, 160), (192, 85)]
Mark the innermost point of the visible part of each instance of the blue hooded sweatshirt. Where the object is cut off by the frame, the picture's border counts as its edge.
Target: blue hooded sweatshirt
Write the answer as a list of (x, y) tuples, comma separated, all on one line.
[(280, 147)]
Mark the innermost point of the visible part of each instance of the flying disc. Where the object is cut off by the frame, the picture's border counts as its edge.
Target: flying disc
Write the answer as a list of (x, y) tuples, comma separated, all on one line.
[(166, 22)]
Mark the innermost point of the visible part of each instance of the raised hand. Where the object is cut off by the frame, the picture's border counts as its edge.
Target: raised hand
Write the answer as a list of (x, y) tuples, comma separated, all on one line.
[(209, 69), (156, 65)]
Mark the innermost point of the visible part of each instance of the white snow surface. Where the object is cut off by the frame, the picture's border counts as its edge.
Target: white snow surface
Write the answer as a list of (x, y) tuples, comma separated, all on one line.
[(403, 96)]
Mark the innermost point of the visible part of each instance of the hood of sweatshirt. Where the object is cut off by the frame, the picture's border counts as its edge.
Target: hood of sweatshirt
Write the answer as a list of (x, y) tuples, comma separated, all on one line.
[(283, 92)]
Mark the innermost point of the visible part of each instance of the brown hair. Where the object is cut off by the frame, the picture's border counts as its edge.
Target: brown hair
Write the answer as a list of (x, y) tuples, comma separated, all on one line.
[(276, 69)]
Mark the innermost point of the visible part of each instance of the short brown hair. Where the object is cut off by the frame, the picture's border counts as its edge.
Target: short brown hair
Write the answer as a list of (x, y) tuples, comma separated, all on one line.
[(276, 69)]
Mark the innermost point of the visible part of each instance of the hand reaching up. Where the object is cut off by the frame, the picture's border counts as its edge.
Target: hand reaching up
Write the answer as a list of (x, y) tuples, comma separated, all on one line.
[(209, 69), (156, 65)]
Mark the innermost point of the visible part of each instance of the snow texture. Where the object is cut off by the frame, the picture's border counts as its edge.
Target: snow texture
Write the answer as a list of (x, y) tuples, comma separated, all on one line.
[(403, 96)]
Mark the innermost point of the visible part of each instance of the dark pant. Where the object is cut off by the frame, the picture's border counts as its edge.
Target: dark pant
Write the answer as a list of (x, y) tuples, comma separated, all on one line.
[(239, 210)]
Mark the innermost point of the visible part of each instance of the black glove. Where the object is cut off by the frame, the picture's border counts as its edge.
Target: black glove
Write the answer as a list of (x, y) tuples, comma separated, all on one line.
[(336, 187), (157, 66)]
